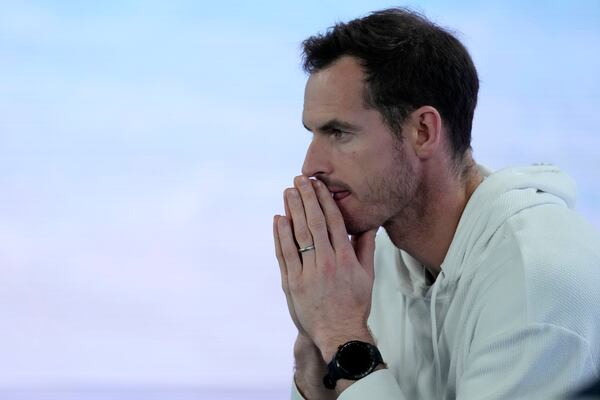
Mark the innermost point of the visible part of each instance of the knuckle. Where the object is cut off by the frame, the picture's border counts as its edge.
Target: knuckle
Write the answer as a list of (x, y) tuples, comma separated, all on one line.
[(336, 218), (346, 257), (328, 264), (294, 286), (289, 253), (303, 236), (317, 223)]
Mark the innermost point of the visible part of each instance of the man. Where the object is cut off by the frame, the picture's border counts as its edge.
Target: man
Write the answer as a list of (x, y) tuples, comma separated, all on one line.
[(480, 286)]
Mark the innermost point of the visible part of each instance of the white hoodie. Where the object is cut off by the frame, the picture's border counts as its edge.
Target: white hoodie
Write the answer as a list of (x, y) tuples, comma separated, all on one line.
[(515, 312)]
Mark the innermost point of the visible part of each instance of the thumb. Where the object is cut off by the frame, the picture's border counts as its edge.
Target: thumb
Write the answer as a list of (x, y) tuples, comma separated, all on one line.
[(364, 247)]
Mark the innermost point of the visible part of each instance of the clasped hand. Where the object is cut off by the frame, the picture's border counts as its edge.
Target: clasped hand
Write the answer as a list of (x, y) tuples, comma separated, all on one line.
[(328, 289)]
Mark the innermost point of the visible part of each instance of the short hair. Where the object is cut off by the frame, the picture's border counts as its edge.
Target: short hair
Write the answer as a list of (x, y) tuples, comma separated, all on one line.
[(409, 62)]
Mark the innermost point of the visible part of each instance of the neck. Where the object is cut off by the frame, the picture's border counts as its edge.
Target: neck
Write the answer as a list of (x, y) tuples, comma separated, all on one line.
[(425, 229)]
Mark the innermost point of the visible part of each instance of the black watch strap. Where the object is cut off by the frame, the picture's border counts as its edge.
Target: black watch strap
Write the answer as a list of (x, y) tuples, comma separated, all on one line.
[(353, 360)]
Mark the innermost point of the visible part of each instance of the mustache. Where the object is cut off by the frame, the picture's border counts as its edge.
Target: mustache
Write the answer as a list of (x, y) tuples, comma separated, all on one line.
[(333, 185)]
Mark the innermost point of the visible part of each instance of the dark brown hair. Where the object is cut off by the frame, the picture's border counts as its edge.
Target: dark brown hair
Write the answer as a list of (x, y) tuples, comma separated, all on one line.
[(409, 62)]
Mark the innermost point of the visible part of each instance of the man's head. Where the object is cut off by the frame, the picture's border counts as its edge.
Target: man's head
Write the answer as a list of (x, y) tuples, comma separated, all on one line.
[(409, 62), (381, 91)]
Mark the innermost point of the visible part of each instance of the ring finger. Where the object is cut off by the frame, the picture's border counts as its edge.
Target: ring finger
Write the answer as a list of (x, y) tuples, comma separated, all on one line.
[(298, 217)]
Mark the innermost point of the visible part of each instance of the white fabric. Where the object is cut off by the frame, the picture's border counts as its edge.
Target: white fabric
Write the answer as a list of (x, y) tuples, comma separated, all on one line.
[(515, 312)]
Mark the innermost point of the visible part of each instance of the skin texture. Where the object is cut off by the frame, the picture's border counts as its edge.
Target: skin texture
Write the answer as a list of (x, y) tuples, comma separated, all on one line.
[(408, 186), (359, 153), (329, 289)]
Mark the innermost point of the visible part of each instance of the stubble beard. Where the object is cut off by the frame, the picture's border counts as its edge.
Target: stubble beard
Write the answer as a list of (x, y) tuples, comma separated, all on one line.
[(392, 195)]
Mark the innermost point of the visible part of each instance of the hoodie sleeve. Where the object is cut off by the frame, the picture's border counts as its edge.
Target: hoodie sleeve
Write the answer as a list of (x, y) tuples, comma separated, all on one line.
[(380, 385), (536, 362)]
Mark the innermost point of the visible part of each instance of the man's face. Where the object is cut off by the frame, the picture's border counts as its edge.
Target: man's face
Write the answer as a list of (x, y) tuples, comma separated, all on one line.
[(353, 151)]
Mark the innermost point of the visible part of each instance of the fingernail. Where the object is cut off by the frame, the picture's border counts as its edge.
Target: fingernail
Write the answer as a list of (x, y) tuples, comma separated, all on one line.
[(304, 181), (293, 192)]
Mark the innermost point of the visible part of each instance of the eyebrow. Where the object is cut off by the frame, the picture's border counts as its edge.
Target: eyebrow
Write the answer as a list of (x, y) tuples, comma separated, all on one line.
[(334, 123)]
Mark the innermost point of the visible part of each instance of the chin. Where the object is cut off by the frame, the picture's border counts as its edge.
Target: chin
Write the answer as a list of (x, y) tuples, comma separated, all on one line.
[(356, 227)]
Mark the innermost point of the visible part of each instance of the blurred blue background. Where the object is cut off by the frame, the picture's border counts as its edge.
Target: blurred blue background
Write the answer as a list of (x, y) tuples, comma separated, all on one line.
[(144, 147)]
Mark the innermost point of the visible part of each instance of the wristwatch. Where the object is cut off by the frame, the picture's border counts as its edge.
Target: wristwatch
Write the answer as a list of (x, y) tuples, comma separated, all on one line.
[(353, 360)]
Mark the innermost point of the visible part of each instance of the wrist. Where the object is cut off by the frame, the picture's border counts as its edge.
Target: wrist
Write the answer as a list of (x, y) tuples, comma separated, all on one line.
[(353, 361), (305, 347), (329, 345), (309, 369)]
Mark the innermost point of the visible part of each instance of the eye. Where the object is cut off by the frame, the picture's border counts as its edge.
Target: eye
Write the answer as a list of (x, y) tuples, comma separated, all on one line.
[(337, 133)]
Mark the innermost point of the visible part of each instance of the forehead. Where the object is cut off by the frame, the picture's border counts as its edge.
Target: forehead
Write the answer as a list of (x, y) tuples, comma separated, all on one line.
[(334, 92)]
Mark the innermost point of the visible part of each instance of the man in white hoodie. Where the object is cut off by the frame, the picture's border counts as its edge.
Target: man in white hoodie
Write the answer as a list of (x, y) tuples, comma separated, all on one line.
[(480, 286)]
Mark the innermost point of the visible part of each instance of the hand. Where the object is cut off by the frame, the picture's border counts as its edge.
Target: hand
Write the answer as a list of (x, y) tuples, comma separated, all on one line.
[(328, 290)]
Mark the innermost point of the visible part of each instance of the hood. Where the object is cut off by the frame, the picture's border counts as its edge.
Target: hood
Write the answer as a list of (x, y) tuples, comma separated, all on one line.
[(500, 196)]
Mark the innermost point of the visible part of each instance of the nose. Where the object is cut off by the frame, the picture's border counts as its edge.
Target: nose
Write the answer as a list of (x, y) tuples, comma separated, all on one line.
[(317, 160)]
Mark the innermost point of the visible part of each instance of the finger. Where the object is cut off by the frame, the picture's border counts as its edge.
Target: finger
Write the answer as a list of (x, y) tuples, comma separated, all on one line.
[(315, 219), (298, 218), (335, 221), (289, 250), (288, 213), (300, 228), (279, 255), (364, 247), (284, 276)]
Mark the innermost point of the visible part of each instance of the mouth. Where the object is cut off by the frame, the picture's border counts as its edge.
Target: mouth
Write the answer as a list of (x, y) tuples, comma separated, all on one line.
[(337, 196)]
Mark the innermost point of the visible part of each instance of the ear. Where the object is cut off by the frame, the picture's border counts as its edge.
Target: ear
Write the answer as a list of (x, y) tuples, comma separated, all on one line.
[(426, 132)]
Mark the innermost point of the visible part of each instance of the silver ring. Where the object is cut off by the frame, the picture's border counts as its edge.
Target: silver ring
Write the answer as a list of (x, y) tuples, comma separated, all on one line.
[(307, 248)]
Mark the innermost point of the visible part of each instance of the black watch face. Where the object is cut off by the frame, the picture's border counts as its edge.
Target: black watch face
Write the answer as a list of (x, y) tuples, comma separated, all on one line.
[(355, 359)]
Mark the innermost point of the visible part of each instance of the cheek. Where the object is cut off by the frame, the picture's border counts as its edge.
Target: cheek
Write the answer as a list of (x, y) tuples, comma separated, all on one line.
[(375, 164), (361, 164)]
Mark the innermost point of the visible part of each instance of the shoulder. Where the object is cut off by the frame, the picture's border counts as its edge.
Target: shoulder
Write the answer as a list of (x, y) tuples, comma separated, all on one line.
[(545, 260)]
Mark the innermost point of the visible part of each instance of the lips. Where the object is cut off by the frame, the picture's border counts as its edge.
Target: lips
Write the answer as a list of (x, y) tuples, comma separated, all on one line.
[(337, 196), (337, 190)]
